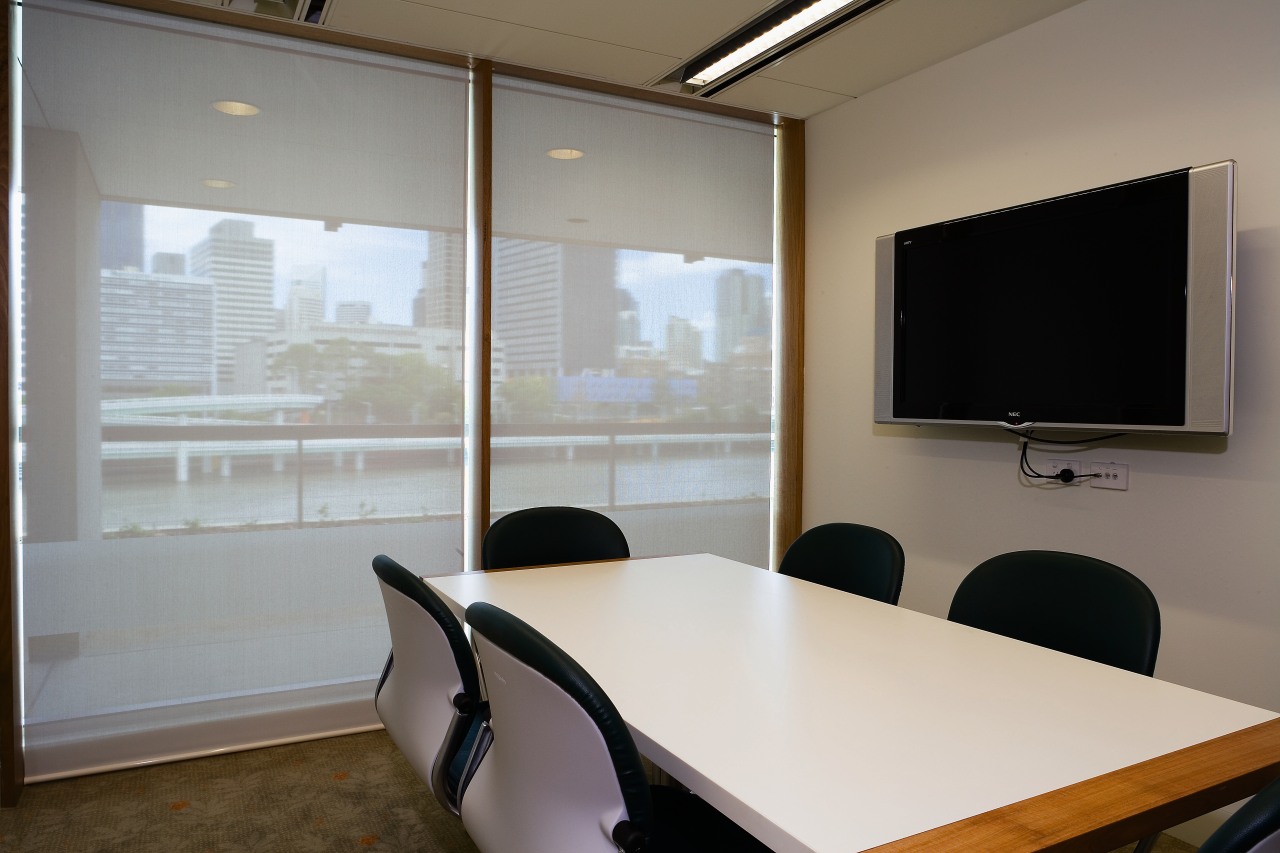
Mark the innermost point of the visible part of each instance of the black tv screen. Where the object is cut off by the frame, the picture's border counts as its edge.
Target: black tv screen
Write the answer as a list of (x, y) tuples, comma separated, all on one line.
[(1108, 308)]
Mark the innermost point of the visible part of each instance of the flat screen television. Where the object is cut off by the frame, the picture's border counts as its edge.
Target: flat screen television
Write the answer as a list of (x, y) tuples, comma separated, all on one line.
[(1108, 309)]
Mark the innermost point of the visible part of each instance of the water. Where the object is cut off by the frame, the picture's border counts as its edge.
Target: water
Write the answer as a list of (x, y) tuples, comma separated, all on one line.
[(133, 505)]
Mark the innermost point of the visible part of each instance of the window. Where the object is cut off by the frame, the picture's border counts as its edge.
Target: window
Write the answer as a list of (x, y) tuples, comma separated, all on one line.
[(243, 354), (230, 405), (632, 299)]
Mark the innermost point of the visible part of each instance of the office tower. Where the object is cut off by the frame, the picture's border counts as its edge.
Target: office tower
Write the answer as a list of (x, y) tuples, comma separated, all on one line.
[(420, 303), (306, 301), (169, 263), (353, 313), (156, 333), (120, 236), (440, 303), (554, 307), (242, 267), (742, 309), (628, 319), (684, 345)]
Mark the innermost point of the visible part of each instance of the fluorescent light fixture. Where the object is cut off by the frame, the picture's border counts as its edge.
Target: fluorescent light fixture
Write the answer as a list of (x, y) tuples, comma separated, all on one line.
[(565, 153), (783, 28), (764, 42), (235, 108), (218, 183)]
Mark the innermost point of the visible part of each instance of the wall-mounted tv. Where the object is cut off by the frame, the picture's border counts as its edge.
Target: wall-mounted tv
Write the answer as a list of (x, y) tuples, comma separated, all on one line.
[(1108, 309)]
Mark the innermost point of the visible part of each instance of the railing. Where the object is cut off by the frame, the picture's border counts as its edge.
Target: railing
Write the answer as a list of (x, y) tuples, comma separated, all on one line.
[(301, 448)]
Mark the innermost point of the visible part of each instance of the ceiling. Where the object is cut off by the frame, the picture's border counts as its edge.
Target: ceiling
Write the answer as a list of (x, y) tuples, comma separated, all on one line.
[(640, 43), (348, 136)]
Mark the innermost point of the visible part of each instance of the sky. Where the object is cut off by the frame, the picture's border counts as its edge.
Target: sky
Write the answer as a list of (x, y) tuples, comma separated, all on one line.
[(383, 266)]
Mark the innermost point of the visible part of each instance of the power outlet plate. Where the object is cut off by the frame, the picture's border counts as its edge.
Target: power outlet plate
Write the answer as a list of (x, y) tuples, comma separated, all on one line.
[(1057, 466), (1109, 475)]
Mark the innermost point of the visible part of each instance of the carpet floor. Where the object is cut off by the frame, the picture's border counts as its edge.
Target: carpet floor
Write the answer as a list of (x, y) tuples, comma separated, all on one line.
[(352, 793), (347, 793)]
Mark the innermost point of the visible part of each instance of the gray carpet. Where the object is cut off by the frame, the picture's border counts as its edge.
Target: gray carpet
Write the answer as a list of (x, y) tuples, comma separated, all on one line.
[(349, 793), (353, 793)]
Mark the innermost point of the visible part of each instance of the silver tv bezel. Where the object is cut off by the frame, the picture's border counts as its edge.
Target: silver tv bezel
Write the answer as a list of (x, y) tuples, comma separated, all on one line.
[(1210, 350)]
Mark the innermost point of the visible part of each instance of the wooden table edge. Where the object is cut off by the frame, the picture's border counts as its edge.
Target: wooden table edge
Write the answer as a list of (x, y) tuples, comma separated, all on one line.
[(1118, 808)]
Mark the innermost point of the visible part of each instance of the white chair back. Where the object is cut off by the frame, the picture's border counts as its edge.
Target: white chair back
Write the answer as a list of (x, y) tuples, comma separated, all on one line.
[(547, 783), (416, 697)]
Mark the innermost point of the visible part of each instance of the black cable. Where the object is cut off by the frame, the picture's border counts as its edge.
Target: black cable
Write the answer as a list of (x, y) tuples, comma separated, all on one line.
[(1066, 475), (1030, 436)]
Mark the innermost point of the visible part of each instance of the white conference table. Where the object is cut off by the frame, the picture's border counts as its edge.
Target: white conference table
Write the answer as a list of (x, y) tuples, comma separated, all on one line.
[(823, 722)]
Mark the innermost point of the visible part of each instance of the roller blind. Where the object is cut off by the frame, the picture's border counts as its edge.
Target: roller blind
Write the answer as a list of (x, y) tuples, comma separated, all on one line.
[(234, 393), (632, 317)]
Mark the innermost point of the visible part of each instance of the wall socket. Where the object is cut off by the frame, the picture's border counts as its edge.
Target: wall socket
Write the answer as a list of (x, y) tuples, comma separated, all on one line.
[(1112, 475), (1079, 466)]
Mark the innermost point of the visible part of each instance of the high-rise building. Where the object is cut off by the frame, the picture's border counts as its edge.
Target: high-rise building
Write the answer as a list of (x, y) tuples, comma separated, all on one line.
[(242, 267), (742, 309), (156, 331), (120, 236), (305, 304), (684, 345), (628, 320), (440, 302), (555, 307), (169, 263), (353, 313)]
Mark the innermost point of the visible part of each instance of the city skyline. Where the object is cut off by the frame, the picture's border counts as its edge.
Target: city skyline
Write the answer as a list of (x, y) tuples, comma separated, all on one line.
[(383, 266)]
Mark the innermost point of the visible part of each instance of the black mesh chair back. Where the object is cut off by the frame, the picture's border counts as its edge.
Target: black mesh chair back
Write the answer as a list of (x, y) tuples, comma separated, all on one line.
[(1254, 828), (1068, 602), (855, 558), (551, 535), (429, 695), (562, 772)]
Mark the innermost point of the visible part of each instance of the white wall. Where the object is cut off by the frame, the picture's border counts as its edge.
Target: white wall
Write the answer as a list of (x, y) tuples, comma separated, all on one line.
[(1104, 91)]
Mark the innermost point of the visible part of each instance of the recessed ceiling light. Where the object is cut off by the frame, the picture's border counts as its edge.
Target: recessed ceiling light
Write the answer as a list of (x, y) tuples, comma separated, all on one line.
[(565, 153), (235, 108), (218, 184)]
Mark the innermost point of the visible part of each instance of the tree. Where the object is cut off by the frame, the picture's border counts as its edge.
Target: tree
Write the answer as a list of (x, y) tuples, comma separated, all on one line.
[(405, 389), (529, 398), (304, 360)]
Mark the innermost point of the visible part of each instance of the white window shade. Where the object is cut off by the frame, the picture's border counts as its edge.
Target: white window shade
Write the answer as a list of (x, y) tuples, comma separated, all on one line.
[(229, 408), (632, 311), (651, 177)]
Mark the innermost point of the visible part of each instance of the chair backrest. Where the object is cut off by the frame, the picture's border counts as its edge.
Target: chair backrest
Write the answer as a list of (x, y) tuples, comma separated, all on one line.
[(1254, 828), (855, 558), (562, 772), (1068, 602), (429, 695), (548, 535)]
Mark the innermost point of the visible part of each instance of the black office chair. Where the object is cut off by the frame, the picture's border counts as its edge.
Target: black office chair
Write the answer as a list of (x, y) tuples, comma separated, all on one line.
[(429, 695), (1254, 828), (550, 535), (854, 558), (1068, 602), (563, 772)]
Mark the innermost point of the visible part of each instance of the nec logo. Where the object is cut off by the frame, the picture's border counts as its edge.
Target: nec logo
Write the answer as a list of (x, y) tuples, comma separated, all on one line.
[(1015, 415)]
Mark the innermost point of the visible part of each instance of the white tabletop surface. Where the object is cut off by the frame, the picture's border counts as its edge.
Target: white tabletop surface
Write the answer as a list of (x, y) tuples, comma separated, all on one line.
[(825, 722)]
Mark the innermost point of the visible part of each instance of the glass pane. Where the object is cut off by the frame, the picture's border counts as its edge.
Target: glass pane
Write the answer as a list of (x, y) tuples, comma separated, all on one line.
[(632, 318), (234, 395)]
